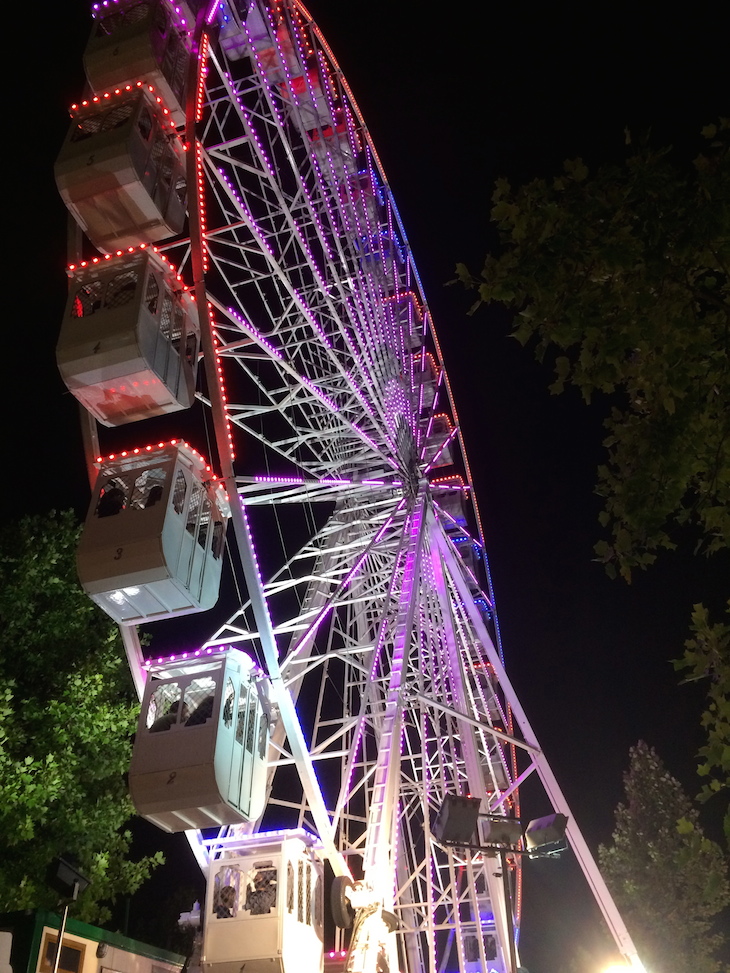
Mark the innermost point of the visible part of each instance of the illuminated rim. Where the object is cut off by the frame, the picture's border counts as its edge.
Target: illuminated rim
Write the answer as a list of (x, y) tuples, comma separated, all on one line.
[(335, 424)]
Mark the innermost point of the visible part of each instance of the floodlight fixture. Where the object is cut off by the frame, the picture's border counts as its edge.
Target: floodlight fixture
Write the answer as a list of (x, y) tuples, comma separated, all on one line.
[(456, 821), (545, 831), (64, 877)]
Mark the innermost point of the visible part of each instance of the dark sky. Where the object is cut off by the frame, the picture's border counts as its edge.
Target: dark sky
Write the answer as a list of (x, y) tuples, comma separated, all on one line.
[(453, 100)]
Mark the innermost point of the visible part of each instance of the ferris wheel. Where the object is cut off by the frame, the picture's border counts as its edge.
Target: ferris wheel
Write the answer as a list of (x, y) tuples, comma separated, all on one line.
[(356, 538)]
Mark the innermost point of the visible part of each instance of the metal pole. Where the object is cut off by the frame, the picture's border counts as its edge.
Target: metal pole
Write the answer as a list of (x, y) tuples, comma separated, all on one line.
[(61, 931), (510, 923)]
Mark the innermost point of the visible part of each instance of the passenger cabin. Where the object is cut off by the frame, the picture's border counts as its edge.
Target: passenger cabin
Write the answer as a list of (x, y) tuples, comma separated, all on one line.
[(128, 347), (121, 170), (141, 40), (362, 202), (438, 451), (200, 753), (426, 382), (408, 313), (381, 256), (152, 544), (264, 907)]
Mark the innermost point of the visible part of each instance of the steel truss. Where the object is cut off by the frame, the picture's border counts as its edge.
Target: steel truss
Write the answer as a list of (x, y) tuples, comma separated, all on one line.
[(336, 426)]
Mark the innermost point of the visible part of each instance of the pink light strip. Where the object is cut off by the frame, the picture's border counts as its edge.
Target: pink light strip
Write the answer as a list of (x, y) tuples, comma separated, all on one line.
[(344, 584)]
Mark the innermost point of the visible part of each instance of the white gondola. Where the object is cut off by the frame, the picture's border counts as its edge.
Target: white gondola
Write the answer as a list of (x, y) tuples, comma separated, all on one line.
[(264, 907), (152, 544), (141, 40), (128, 347), (200, 753), (121, 170), (439, 450), (406, 310), (382, 256)]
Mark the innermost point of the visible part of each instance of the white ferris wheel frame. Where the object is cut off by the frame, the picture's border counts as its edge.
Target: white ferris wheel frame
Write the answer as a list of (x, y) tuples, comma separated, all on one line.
[(312, 313)]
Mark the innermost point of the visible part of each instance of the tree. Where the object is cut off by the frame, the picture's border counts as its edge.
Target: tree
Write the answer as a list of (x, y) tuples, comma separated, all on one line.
[(67, 713), (668, 879), (707, 658), (623, 276)]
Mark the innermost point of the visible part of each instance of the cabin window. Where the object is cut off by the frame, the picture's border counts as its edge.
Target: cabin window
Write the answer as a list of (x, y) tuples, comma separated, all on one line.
[(250, 732), (226, 892), (241, 716), (204, 522), (308, 900), (178, 322), (181, 189), (86, 127), (191, 348), (158, 150), (217, 543), (164, 708), (263, 726), (229, 700), (148, 488), (300, 892), (102, 121), (113, 497), (196, 501), (160, 20), (87, 299), (166, 317), (152, 294), (120, 289), (167, 164), (318, 904), (71, 959), (179, 491), (117, 116), (199, 698), (175, 62), (261, 889), (289, 887), (145, 123), (114, 21)]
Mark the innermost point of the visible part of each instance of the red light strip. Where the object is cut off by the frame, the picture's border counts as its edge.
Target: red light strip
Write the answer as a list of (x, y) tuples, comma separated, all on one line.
[(202, 73), (99, 99), (161, 445), (130, 251), (224, 397), (200, 188)]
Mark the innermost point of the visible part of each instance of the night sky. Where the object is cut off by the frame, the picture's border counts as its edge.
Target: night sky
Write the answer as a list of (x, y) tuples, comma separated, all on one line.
[(453, 101)]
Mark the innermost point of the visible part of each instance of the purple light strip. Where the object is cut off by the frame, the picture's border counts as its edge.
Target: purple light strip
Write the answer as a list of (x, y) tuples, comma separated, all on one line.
[(322, 236), (307, 314), (443, 446), (355, 386), (343, 585), (324, 481), (214, 6), (97, 8), (184, 656), (353, 208), (378, 845), (267, 346), (275, 353)]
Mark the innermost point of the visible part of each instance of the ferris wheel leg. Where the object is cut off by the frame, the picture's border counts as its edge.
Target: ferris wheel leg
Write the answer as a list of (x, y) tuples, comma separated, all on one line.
[(595, 880)]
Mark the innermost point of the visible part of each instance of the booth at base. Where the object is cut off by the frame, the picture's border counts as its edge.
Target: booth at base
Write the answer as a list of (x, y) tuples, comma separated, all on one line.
[(264, 907)]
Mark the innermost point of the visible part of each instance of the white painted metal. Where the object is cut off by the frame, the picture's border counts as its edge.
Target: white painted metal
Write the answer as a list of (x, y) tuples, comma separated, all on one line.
[(378, 624), (375, 623)]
